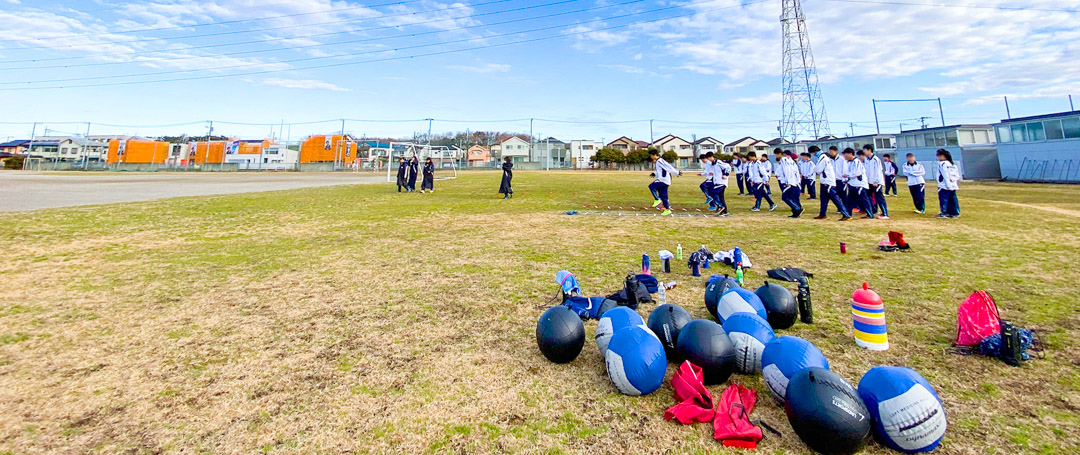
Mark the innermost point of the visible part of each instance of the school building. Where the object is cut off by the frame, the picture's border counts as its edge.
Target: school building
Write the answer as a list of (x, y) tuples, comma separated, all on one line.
[(1042, 148), (973, 149)]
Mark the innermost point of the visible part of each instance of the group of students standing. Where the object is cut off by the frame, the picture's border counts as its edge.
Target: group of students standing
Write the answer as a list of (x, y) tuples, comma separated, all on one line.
[(856, 182), (407, 171)]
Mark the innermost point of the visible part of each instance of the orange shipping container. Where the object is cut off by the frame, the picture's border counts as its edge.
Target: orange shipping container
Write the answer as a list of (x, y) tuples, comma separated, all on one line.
[(327, 149), (138, 151)]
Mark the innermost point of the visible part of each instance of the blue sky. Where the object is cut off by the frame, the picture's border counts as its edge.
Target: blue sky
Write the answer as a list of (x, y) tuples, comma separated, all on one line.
[(704, 68)]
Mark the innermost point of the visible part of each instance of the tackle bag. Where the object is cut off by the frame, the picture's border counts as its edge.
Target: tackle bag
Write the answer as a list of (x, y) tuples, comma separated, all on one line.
[(649, 281), (632, 294)]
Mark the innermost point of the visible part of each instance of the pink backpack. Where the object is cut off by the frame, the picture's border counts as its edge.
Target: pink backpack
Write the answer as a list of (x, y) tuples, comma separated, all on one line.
[(976, 319)]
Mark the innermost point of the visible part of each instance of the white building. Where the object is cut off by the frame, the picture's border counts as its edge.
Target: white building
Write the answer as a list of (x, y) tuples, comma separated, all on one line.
[(745, 145), (680, 146), (582, 151), (973, 148), (276, 157), (513, 147), (708, 144), (883, 143)]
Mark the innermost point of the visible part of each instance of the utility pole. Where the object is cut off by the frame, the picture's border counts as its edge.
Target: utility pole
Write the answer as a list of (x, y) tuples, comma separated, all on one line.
[(1071, 108), (876, 123), (206, 157), (651, 139), (1007, 113), (941, 111), (30, 148), (922, 120), (532, 139), (86, 153), (852, 129), (341, 144)]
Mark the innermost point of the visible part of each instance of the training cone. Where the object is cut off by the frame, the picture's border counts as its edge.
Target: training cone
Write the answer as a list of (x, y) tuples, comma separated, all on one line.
[(868, 319)]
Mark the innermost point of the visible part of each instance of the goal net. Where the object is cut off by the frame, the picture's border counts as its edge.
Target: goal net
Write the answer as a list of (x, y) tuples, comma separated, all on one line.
[(445, 159)]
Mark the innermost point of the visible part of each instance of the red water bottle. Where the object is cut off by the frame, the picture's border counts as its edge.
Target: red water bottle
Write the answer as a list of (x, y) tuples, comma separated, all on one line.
[(843, 248)]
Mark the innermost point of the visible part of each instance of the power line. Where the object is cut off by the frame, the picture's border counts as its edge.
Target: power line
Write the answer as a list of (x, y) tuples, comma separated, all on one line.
[(336, 56), (253, 30), (308, 46), (946, 5), (237, 21)]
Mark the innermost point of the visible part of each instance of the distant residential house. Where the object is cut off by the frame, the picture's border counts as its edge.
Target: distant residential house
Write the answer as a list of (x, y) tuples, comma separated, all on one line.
[(478, 156), (43, 149), (708, 144), (623, 144), (680, 146), (513, 147), (745, 145), (642, 144), (78, 148), (553, 152), (582, 151), (12, 148)]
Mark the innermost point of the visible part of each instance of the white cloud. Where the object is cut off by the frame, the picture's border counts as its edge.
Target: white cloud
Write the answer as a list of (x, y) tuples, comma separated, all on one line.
[(591, 39), (971, 51), (482, 68), (767, 98), (629, 69), (304, 84)]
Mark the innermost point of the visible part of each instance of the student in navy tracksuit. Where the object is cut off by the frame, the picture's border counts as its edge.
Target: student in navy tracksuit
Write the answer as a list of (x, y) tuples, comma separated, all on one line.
[(948, 184), (826, 171), (806, 173), (706, 186), (855, 174), (890, 173), (916, 181), (719, 176), (738, 166), (787, 173), (659, 187), (875, 177), (759, 174)]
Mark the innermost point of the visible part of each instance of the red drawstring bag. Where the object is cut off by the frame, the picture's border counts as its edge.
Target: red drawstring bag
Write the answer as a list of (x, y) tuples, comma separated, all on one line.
[(732, 423), (976, 319), (695, 401)]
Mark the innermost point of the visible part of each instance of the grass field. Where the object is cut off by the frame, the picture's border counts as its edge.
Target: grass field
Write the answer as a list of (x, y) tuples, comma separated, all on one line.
[(355, 319)]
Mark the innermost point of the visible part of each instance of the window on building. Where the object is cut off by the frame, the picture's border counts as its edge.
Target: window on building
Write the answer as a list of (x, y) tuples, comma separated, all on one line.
[(920, 140), (950, 138), (884, 143), (982, 137), (1018, 132), (1053, 129), (1035, 132), (1004, 134), (967, 137), (1071, 127)]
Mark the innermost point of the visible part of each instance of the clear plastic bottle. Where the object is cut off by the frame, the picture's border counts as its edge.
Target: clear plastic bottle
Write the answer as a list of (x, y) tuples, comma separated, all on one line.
[(661, 294), (678, 252)]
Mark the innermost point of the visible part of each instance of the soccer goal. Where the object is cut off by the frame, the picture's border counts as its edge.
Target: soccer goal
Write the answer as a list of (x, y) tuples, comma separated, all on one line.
[(444, 158)]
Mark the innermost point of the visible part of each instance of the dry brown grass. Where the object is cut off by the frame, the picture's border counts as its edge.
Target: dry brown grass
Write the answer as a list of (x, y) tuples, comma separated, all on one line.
[(348, 320)]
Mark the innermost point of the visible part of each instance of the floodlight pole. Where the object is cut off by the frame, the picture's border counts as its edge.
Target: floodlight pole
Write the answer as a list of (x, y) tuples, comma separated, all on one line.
[(651, 140), (941, 111)]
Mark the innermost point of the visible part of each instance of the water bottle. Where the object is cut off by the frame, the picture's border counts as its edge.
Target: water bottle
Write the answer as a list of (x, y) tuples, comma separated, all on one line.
[(737, 256), (739, 273), (806, 308), (678, 252), (645, 269), (661, 294)]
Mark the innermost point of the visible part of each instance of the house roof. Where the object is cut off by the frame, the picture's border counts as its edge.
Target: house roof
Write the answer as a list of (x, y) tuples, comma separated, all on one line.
[(741, 139), (1039, 117), (623, 139), (15, 143), (6, 154), (46, 143), (670, 137), (707, 138), (777, 141), (642, 144)]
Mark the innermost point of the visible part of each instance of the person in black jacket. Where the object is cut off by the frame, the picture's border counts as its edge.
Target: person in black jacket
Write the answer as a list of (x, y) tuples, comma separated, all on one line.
[(402, 178), (414, 169), (508, 174), (429, 177)]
